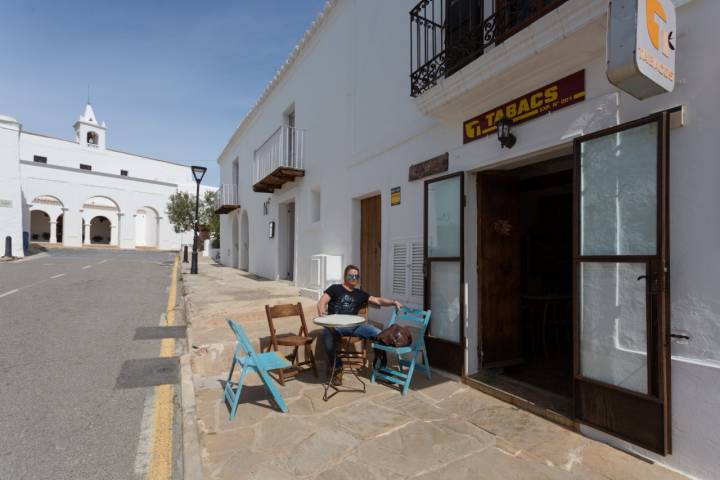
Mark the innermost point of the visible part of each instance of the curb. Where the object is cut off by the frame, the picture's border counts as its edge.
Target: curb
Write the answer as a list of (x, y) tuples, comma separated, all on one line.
[(192, 462)]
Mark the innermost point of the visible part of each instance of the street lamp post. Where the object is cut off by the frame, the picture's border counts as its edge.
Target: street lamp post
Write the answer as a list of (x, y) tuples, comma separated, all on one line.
[(198, 173)]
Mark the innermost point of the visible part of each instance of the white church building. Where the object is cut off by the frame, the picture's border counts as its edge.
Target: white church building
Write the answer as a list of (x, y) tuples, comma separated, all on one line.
[(80, 192)]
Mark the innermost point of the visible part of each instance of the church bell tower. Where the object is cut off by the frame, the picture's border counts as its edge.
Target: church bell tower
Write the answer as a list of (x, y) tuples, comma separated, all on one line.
[(88, 131)]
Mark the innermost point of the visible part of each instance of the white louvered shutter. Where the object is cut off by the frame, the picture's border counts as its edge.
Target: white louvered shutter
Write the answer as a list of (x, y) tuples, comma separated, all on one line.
[(416, 277), (399, 270)]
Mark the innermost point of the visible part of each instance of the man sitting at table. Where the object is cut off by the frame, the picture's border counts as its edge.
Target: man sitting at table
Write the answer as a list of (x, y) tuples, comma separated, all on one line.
[(347, 299)]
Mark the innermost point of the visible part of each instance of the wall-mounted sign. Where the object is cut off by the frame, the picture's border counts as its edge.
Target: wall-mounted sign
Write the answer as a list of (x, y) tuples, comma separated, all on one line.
[(271, 229), (560, 94), (424, 169), (394, 196), (5, 203), (641, 46)]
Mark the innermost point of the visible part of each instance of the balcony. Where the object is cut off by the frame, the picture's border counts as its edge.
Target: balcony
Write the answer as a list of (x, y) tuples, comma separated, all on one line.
[(447, 35), (506, 63), (227, 199), (279, 160)]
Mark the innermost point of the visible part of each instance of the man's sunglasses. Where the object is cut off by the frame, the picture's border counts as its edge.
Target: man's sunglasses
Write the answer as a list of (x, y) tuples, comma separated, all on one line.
[(353, 276)]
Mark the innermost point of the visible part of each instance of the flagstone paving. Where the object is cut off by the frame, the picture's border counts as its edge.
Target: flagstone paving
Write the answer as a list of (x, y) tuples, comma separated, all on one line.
[(441, 430)]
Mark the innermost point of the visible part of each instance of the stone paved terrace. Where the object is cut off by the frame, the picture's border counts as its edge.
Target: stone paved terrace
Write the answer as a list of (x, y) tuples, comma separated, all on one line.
[(442, 429)]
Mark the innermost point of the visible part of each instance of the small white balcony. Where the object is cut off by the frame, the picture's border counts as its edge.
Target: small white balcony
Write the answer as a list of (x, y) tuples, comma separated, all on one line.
[(279, 160), (227, 199)]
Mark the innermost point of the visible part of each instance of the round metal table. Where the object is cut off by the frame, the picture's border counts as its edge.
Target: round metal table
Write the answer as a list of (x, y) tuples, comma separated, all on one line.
[(333, 322)]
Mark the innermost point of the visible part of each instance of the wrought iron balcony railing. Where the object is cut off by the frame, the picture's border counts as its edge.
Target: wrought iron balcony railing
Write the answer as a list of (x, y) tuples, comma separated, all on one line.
[(227, 198), (446, 35), (279, 160)]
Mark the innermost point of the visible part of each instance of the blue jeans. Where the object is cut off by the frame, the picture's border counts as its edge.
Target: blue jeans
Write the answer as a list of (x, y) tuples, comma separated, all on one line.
[(364, 331)]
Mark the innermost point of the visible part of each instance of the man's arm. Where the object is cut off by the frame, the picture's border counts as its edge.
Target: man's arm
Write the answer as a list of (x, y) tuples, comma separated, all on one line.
[(384, 302), (322, 304)]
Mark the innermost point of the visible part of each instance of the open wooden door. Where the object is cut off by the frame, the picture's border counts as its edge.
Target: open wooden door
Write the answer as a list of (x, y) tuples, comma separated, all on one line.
[(621, 297), (370, 244), (499, 270), (444, 228)]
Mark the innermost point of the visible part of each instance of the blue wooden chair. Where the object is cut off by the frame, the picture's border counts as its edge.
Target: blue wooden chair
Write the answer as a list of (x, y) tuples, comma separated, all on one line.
[(249, 360), (408, 357)]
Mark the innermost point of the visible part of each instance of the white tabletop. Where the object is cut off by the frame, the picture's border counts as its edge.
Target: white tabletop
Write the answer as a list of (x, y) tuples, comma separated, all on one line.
[(340, 320)]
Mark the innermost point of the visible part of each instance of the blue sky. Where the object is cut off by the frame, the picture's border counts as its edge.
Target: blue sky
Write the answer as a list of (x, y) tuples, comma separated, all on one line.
[(171, 78)]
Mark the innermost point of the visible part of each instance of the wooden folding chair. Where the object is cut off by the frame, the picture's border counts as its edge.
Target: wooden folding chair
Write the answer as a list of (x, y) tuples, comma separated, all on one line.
[(249, 360), (302, 339), (362, 356)]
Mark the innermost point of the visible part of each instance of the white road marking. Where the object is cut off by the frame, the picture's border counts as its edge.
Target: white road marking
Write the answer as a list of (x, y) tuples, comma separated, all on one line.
[(86, 267), (145, 444), (58, 275), (8, 293), (101, 262)]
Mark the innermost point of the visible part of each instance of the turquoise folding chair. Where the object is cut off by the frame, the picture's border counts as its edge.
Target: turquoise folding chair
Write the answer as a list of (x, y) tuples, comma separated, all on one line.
[(408, 357), (249, 360)]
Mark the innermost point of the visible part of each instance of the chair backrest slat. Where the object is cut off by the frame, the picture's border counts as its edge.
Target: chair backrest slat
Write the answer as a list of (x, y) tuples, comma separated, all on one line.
[(285, 310), (413, 318)]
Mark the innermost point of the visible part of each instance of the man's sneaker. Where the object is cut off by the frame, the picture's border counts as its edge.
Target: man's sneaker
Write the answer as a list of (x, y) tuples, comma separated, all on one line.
[(337, 377)]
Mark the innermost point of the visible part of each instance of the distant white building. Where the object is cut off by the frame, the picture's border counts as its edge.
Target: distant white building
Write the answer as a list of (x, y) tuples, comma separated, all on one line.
[(79, 192)]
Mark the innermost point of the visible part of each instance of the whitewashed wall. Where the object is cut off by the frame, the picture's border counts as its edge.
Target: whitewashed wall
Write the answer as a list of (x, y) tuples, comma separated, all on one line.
[(11, 208), (350, 89)]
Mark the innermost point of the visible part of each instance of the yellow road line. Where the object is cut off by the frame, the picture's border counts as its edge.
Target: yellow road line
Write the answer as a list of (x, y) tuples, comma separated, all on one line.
[(161, 459)]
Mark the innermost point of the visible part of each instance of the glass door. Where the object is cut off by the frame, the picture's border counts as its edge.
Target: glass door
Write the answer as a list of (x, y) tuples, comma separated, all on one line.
[(622, 373), (444, 295)]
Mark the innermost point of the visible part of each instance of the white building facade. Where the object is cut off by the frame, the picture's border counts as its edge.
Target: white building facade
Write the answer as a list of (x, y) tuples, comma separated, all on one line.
[(547, 265), (79, 192)]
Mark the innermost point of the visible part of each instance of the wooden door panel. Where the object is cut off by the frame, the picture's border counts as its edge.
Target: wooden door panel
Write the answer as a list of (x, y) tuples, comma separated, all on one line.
[(499, 268), (370, 244), (624, 414)]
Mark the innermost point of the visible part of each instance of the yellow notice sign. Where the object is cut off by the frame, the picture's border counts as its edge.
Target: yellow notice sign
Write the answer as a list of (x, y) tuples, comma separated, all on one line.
[(394, 196)]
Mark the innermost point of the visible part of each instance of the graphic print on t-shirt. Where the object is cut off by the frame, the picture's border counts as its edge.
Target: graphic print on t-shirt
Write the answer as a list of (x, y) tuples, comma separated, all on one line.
[(346, 304)]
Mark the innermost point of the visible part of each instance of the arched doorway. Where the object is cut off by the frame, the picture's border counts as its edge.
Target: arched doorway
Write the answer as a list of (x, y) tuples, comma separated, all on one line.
[(101, 207), (235, 249), (244, 242), (100, 230), (147, 229), (43, 225), (39, 226)]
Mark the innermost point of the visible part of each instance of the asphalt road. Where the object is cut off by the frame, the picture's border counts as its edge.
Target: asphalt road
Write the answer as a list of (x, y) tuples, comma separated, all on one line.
[(71, 404)]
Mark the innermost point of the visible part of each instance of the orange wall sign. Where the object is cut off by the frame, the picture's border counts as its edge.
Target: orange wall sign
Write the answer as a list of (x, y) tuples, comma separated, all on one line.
[(560, 94)]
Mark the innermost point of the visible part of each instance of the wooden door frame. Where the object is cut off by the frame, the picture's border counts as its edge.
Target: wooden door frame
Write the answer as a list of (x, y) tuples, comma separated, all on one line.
[(658, 341), (378, 197), (446, 349)]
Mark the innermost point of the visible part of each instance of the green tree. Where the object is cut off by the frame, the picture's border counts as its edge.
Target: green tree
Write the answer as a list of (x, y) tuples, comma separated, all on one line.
[(180, 210), (208, 218)]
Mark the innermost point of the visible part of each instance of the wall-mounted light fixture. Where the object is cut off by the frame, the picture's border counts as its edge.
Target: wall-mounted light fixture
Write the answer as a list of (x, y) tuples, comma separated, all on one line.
[(271, 229), (266, 206), (506, 138)]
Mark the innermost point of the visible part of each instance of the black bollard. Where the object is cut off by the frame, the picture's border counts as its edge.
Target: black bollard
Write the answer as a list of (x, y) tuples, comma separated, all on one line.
[(8, 246), (185, 253)]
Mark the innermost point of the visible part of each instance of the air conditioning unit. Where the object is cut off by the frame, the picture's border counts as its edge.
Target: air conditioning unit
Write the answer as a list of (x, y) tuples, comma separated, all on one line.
[(325, 270)]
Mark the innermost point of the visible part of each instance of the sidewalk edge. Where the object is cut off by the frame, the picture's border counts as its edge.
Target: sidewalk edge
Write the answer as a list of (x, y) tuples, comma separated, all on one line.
[(192, 462)]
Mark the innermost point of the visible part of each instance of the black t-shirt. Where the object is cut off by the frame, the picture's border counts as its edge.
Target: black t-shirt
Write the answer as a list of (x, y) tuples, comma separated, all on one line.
[(345, 302)]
